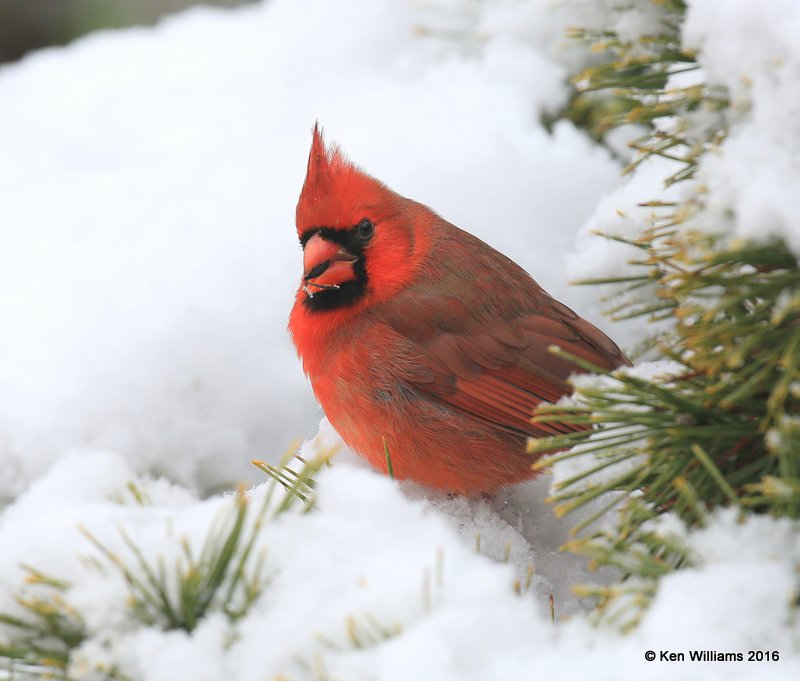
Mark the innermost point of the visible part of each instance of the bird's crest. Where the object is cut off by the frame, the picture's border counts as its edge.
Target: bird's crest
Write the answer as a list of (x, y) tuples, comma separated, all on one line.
[(335, 192)]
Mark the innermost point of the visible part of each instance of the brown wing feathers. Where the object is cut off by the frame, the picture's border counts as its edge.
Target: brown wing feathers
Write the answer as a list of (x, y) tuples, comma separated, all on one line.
[(502, 375)]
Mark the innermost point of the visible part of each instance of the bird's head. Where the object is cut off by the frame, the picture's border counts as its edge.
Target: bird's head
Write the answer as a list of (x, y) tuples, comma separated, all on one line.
[(361, 241)]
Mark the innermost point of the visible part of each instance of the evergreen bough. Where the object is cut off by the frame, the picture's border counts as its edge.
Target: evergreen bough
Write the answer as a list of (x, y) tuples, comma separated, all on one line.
[(720, 426), (226, 574)]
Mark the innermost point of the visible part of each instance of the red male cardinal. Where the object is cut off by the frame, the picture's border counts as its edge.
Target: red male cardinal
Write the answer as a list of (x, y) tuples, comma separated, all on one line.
[(419, 335)]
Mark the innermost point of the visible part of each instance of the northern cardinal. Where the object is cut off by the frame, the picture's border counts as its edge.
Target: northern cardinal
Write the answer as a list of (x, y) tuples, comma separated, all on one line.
[(419, 338)]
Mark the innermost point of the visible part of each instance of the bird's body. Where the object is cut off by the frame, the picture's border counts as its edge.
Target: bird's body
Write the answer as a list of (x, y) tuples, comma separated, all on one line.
[(420, 338)]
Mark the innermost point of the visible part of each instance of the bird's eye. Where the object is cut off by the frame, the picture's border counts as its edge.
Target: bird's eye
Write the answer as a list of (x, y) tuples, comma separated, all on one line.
[(366, 229)]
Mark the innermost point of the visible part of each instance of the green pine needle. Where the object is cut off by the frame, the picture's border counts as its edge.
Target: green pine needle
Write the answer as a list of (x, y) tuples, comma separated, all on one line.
[(724, 428)]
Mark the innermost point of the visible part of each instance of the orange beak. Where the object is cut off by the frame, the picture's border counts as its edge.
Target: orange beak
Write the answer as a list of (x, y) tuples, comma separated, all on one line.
[(326, 264)]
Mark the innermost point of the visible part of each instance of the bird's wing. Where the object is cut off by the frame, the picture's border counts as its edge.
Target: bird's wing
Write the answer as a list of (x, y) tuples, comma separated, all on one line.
[(500, 372)]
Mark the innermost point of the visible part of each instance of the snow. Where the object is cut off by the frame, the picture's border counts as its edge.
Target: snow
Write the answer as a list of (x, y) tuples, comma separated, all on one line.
[(761, 69), (148, 260), (755, 560), (373, 553), (147, 193), (750, 49)]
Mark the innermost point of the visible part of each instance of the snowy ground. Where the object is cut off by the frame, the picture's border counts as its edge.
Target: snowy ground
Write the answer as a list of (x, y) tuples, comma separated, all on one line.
[(147, 264)]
